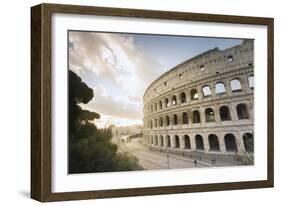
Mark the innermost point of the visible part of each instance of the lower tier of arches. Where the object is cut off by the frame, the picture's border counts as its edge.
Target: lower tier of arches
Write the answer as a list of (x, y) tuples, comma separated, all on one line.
[(221, 143)]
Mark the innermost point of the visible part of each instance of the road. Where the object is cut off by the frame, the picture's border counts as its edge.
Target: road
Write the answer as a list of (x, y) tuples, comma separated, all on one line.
[(153, 160)]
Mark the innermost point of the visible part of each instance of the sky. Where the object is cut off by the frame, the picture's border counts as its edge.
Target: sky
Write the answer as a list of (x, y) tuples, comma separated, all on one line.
[(119, 67)]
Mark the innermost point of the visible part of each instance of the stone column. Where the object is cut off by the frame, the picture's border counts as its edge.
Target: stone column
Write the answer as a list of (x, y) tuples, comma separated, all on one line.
[(181, 141), (202, 116), (228, 87), (206, 143), (239, 142), (213, 89), (192, 142), (199, 91), (173, 141), (217, 114), (221, 143), (233, 112)]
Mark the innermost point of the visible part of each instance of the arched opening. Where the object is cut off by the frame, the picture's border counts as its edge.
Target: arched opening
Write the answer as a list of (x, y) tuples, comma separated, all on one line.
[(155, 140), (230, 143), (224, 113), (183, 97), (167, 120), (161, 121), (196, 116), (160, 105), (186, 142), (151, 140), (193, 94), (242, 111), (251, 81), (151, 124), (235, 85), (210, 115), (167, 104), (155, 122), (219, 88), (177, 141), (214, 142), (168, 139), (161, 141), (199, 142), (248, 140), (206, 91), (175, 119), (155, 107), (174, 100), (184, 118)]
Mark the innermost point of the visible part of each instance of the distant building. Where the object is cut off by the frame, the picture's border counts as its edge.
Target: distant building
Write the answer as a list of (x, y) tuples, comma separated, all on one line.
[(204, 104)]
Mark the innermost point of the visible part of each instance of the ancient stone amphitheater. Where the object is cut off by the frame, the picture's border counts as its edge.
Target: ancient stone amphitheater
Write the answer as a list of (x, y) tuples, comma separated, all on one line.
[(204, 104)]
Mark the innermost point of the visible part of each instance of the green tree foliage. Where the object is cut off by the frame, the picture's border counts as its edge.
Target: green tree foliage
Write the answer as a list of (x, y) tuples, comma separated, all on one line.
[(91, 149)]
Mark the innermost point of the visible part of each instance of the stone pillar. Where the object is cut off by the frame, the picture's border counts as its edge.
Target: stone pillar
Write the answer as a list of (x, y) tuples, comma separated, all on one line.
[(187, 95), (213, 89), (173, 141), (233, 112), (228, 87), (202, 115), (221, 143), (206, 143), (239, 142), (199, 91), (192, 142), (165, 141), (181, 141), (217, 114)]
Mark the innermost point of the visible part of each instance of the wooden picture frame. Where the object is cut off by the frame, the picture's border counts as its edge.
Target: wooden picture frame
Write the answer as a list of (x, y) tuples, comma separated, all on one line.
[(41, 96)]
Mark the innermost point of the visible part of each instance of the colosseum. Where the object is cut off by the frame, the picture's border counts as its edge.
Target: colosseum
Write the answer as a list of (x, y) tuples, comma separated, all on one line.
[(205, 104)]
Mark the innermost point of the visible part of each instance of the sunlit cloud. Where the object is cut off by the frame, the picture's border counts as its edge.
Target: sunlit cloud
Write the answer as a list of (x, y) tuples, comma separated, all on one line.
[(117, 59)]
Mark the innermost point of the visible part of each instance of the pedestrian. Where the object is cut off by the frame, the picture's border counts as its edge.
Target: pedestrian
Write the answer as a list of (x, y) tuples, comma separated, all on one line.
[(195, 163)]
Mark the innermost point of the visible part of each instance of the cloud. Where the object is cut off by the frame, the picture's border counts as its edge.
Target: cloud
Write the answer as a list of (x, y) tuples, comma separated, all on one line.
[(117, 59)]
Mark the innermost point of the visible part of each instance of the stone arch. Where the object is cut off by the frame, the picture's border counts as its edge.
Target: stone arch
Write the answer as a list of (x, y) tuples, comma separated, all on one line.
[(167, 120), (167, 104), (174, 100), (206, 90), (219, 88), (177, 141), (199, 142), (160, 105), (225, 113), (214, 142), (248, 140), (242, 111), (175, 119), (183, 97), (230, 143), (209, 115), (161, 121), (155, 107), (235, 85), (155, 122), (193, 94), (184, 118), (187, 144), (196, 117)]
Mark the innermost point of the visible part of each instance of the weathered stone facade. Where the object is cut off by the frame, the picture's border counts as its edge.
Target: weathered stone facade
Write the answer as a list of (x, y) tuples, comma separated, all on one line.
[(204, 104)]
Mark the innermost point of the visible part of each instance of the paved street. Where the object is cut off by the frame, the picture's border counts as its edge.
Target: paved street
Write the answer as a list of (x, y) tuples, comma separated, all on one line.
[(153, 159)]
